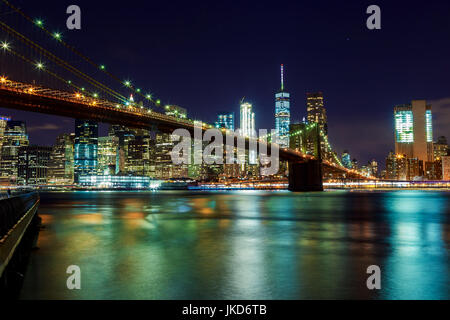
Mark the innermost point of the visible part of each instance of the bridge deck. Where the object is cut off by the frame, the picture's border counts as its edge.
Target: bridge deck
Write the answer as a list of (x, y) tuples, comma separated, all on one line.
[(27, 97)]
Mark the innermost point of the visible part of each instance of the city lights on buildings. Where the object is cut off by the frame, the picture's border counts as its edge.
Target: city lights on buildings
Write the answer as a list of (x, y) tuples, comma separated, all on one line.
[(117, 182), (247, 127), (14, 137), (282, 114), (414, 144), (316, 111), (346, 160), (141, 154), (414, 130), (225, 120), (85, 148)]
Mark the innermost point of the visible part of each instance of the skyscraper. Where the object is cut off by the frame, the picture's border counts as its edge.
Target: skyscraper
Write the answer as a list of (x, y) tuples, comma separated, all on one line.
[(399, 167), (161, 161), (282, 114), (61, 160), (15, 136), (125, 135), (396, 167), (247, 120), (33, 165), (316, 111), (225, 120), (346, 160), (248, 126), (414, 130), (3, 122), (247, 129), (446, 168), (440, 148), (85, 148), (141, 160), (108, 155)]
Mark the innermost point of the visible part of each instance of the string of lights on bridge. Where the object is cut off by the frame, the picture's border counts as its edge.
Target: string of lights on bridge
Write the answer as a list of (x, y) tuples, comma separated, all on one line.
[(39, 22)]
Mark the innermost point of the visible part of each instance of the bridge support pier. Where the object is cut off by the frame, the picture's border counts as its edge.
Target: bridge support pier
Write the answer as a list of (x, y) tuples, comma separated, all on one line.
[(305, 176)]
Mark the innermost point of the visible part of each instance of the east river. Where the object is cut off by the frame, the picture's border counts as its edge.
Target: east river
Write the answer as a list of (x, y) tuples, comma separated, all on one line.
[(242, 245)]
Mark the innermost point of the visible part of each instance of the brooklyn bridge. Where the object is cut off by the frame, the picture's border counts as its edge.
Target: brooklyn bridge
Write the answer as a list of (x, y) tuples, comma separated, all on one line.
[(36, 77)]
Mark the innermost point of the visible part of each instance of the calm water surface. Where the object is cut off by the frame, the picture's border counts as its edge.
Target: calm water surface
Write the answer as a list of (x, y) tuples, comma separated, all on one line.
[(242, 245)]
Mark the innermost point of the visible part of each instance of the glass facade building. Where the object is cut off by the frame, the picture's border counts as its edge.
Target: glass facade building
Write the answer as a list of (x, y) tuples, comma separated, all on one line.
[(85, 148), (225, 120), (108, 155), (316, 111), (247, 120), (33, 164), (414, 130), (404, 126), (3, 122), (346, 160), (282, 114), (61, 160), (429, 124), (15, 136), (248, 127)]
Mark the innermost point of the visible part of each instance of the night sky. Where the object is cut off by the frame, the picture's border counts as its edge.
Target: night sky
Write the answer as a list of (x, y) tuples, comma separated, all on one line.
[(206, 56)]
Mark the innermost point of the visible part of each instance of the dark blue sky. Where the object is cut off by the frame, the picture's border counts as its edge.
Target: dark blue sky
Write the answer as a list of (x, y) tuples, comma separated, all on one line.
[(207, 55)]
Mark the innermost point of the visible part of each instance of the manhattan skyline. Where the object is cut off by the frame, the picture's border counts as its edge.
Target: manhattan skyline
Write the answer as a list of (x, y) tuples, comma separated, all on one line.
[(229, 53), (206, 152)]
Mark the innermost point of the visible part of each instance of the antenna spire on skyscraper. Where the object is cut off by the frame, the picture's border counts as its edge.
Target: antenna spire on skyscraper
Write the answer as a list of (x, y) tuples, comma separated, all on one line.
[(282, 78)]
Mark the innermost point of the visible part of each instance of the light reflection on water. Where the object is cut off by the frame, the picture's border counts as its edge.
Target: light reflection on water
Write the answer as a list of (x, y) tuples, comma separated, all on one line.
[(242, 245)]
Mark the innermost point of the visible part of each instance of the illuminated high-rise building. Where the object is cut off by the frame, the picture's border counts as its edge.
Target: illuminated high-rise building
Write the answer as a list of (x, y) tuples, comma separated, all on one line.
[(85, 148), (414, 130), (141, 160), (247, 128), (395, 167), (225, 120), (60, 169), (3, 122), (161, 161), (373, 165), (125, 135), (282, 114), (346, 160), (33, 164), (446, 168), (316, 111), (15, 136), (247, 124), (108, 155), (440, 148), (400, 167)]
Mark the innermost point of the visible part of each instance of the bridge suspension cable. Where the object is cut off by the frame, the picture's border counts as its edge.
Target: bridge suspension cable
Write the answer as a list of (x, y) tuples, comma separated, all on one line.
[(61, 62), (101, 67)]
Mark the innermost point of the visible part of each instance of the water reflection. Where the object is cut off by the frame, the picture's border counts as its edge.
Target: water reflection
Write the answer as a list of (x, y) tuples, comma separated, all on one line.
[(242, 245)]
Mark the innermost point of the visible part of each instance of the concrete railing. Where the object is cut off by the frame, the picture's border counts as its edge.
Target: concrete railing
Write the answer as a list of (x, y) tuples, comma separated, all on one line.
[(16, 213)]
